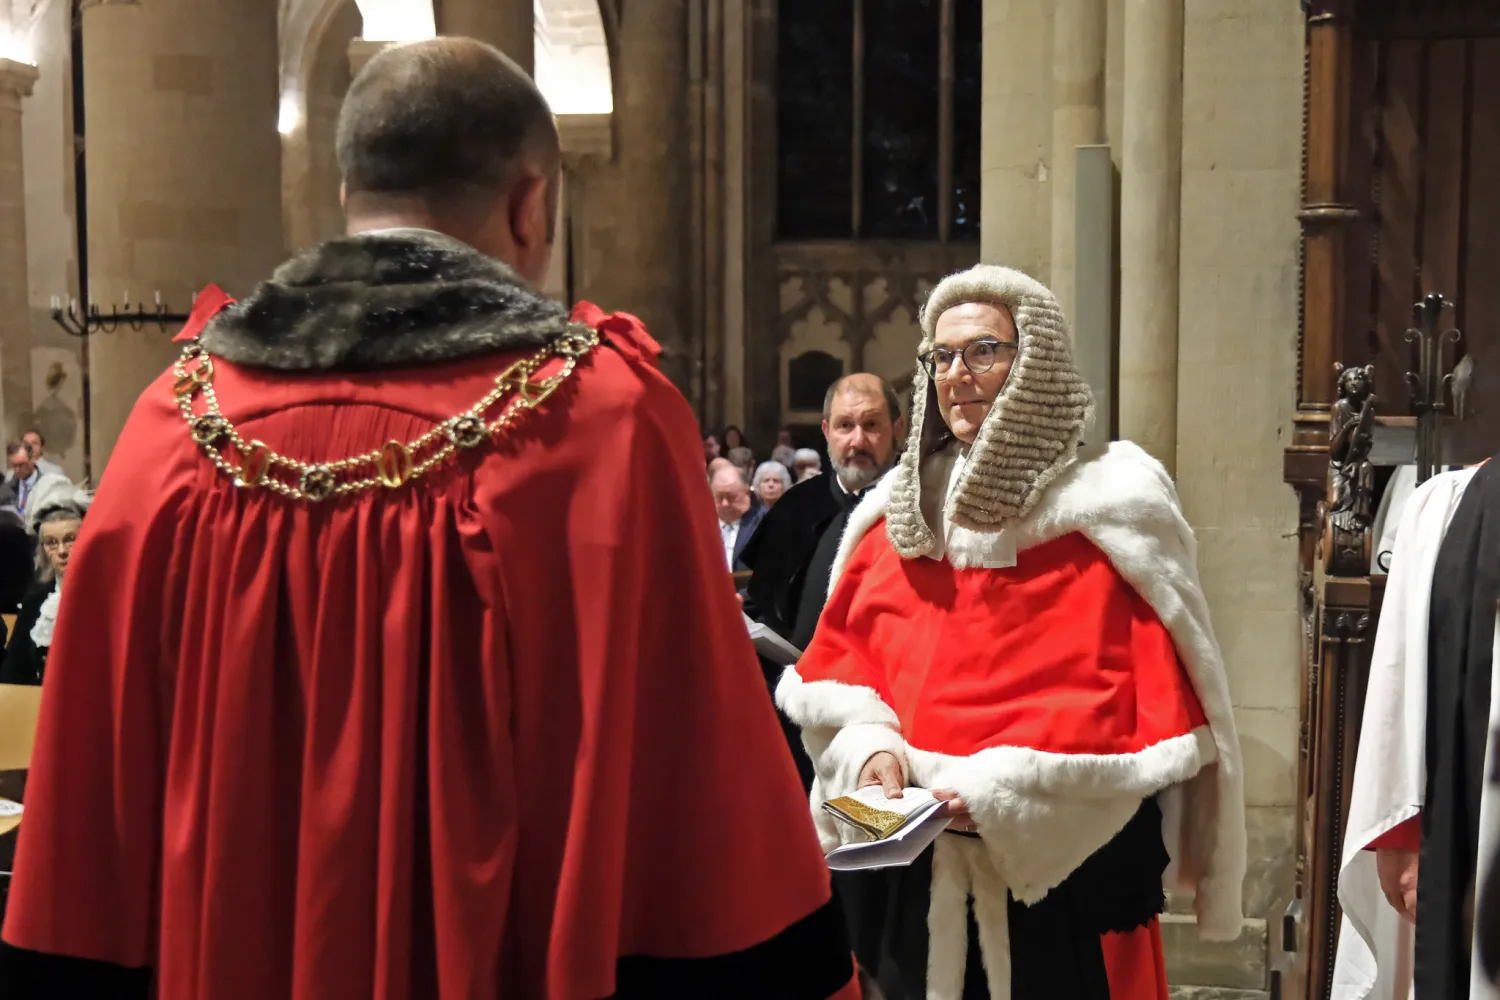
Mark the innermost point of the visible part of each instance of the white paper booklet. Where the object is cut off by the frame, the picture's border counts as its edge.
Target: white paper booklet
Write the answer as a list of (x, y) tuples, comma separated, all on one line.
[(895, 831), (770, 645)]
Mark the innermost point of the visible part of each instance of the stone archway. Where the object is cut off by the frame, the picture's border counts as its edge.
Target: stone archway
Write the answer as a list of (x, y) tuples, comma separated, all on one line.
[(573, 69), (315, 37), (572, 57), (328, 79)]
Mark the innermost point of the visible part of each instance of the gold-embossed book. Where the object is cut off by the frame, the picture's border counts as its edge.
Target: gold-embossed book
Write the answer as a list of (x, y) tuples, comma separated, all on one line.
[(890, 832)]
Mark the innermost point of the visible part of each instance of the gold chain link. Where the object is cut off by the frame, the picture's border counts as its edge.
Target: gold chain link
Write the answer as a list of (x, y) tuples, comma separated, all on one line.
[(391, 466)]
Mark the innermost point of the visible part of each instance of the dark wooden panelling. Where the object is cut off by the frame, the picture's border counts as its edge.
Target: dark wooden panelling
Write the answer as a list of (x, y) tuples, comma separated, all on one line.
[(1442, 168), (1365, 82), (1427, 18), (1479, 435), (1396, 213)]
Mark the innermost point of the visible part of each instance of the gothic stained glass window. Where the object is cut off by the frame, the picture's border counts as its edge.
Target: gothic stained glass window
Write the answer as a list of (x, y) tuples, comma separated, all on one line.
[(899, 137), (814, 119), (968, 16), (878, 119)]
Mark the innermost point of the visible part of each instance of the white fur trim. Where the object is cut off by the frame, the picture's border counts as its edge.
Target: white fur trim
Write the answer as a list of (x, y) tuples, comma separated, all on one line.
[(962, 868), (1042, 814), (1125, 503), (992, 917), (830, 703), (838, 765), (948, 920)]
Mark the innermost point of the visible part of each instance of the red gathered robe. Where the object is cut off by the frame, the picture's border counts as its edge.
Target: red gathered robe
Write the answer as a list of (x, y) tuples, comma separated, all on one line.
[(498, 733), (1057, 654)]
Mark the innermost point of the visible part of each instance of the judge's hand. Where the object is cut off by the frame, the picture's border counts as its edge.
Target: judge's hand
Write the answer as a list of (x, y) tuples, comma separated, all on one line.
[(883, 769), (1398, 879), (958, 811)]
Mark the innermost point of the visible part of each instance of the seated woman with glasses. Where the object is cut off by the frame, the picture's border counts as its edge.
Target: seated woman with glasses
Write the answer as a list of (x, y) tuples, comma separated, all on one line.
[(1016, 624), (57, 527)]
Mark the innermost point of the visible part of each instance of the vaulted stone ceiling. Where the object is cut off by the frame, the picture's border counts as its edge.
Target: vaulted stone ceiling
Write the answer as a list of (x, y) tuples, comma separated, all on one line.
[(572, 53)]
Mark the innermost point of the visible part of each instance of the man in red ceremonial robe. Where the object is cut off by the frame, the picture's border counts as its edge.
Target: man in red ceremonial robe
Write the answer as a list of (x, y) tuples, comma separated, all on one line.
[(1016, 623), (358, 692)]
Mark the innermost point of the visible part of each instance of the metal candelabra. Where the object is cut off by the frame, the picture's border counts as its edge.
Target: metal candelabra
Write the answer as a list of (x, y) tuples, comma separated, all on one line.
[(1429, 385), (82, 320)]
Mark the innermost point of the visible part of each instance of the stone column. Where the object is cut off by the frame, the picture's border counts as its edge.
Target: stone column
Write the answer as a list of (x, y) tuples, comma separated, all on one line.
[(16, 81), (1078, 33), (1016, 143), (508, 25), (632, 215), (184, 174), (1150, 213)]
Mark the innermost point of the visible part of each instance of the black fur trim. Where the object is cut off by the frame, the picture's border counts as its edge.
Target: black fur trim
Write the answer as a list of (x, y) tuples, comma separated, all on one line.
[(388, 299)]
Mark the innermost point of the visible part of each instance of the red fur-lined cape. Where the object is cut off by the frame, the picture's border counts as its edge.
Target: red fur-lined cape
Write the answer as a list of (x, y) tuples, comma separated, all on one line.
[(499, 733)]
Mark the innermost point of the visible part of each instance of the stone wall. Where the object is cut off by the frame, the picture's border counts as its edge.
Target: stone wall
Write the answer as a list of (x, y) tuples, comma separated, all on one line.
[(1241, 175), (184, 174), (51, 259), (1016, 149)]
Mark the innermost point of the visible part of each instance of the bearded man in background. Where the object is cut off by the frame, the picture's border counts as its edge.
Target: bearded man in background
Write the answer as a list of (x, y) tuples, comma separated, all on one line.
[(792, 552)]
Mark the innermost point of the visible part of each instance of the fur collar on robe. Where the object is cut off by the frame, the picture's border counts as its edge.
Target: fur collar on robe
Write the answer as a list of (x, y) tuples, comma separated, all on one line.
[(1044, 813), (387, 299)]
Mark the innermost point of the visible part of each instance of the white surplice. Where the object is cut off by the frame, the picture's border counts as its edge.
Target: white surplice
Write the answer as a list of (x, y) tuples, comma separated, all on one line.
[(1374, 959)]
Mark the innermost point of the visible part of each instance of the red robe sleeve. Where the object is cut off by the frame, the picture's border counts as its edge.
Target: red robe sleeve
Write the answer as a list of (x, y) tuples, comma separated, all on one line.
[(1405, 837)]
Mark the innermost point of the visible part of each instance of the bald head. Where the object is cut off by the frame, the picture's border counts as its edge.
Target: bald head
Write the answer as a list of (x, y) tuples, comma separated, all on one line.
[(449, 134), (863, 384), (730, 489)]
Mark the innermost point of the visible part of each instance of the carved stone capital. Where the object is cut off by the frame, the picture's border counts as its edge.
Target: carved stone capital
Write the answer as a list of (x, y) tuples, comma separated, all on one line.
[(16, 81)]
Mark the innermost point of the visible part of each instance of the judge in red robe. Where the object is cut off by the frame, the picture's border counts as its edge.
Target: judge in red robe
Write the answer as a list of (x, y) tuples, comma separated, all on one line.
[(1017, 623), (402, 662)]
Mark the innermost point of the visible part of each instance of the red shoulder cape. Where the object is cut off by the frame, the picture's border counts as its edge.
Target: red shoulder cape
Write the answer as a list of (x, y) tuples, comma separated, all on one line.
[(1057, 653)]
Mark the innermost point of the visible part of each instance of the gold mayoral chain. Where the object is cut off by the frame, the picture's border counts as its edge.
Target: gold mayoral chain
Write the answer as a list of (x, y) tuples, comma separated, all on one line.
[(391, 466)]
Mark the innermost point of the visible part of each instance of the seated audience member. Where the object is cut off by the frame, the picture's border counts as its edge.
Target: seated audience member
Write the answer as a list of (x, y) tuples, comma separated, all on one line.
[(30, 489), (21, 478), (738, 452), (784, 452), (37, 446), (711, 449), (770, 482), (806, 464), (26, 655), (737, 519)]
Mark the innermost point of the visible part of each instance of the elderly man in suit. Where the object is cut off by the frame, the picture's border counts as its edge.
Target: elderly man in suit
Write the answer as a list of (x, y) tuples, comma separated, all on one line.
[(738, 518)]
